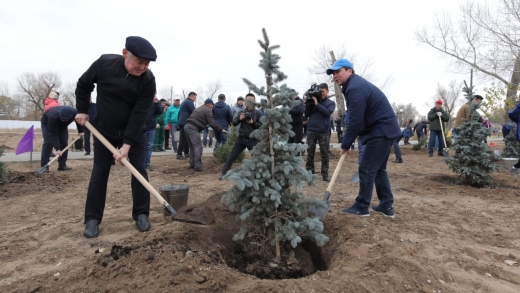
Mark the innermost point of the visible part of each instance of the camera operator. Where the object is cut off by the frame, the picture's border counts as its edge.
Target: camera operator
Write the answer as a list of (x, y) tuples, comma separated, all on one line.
[(249, 120), (318, 108)]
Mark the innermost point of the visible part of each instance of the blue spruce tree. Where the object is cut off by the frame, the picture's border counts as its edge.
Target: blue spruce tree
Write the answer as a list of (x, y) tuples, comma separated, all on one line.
[(475, 161), (268, 192)]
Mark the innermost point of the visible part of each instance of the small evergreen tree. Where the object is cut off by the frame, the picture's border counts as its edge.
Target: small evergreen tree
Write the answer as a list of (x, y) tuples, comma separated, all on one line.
[(3, 168), (474, 162), (268, 190), (512, 145), (223, 151)]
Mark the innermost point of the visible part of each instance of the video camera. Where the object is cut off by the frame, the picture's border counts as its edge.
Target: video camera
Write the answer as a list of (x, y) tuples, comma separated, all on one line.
[(247, 116), (314, 91)]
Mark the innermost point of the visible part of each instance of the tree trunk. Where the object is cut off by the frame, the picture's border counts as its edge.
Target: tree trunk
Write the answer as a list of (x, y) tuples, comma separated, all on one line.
[(512, 88), (340, 101)]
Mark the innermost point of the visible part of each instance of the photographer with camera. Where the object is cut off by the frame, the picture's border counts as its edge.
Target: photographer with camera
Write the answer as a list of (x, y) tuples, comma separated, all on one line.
[(318, 108), (249, 120)]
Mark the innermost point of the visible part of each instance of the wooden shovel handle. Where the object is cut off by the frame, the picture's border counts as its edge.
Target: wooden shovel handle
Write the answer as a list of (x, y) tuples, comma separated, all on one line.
[(63, 150), (442, 131), (336, 172), (127, 164)]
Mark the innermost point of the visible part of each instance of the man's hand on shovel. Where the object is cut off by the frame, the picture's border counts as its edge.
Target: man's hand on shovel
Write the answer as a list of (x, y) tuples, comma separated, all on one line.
[(123, 153), (344, 151)]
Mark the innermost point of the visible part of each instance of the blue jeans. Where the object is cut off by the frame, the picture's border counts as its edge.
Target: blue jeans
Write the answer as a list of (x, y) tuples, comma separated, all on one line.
[(149, 135), (221, 139), (397, 149), (372, 169), (205, 137), (436, 134)]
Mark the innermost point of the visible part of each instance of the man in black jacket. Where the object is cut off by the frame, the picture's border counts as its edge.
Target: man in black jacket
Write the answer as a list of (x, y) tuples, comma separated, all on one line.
[(55, 131), (125, 92), (185, 110), (249, 120), (297, 120)]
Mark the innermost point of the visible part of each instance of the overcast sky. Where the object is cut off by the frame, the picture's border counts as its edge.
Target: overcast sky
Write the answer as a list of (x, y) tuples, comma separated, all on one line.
[(199, 42)]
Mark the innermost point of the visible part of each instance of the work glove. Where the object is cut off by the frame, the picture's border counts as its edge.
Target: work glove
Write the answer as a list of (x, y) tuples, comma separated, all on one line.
[(439, 114), (157, 126)]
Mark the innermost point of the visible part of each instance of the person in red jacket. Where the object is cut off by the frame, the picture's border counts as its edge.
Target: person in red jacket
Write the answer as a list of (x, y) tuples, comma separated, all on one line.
[(51, 101)]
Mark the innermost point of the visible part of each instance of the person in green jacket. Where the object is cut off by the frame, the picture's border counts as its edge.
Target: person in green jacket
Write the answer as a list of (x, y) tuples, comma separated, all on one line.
[(158, 141), (435, 116), (172, 117)]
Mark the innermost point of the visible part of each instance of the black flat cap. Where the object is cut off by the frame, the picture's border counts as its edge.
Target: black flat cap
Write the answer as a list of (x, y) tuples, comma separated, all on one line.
[(141, 48)]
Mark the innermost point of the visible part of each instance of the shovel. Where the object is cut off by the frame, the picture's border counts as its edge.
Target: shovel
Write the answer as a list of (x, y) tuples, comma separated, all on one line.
[(322, 212), (446, 149), (355, 177), (139, 177), (44, 168)]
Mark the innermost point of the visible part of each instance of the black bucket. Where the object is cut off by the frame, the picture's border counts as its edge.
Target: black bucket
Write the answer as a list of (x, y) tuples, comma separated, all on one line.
[(176, 195)]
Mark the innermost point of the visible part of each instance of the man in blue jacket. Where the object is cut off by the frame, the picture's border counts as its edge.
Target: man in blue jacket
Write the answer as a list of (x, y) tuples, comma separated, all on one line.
[(318, 129), (370, 117), (186, 108), (223, 116)]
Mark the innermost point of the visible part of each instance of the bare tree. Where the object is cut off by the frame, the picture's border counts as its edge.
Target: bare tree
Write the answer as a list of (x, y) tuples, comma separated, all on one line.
[(324, 57), (209, 91), (35, 88), (167, 93), (404, 112), (68, 95), (450, 98), (485, 38)]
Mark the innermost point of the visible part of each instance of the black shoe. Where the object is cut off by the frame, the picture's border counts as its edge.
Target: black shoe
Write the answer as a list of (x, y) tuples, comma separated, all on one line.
[(198, 170), (179, 157), (430, 155), (142, 223), (326, 178), (91, 229), (187, 156), (149, 168), (87, 153), (398, 161), (64, 168), (440, 155)]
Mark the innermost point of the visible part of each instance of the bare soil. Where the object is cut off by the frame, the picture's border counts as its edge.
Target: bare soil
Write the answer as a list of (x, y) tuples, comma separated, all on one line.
[(445, 237)]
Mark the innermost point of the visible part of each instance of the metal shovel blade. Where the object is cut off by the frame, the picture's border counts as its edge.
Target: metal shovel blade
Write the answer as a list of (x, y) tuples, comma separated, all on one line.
[(320, 212), (446, 153), (173, 213), (355, 177)]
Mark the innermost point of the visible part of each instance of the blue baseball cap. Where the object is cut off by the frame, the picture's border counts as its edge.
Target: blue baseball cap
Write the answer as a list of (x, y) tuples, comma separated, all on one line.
[(340, 63), (208, 101), (141, 48)]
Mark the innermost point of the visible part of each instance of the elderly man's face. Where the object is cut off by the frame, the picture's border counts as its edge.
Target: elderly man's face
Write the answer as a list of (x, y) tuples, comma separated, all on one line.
[(135, 65), (176, 102)]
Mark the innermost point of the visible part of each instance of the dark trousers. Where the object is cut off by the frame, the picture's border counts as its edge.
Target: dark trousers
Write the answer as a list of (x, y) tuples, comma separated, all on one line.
[(86, 140), (372, 169), (340, 134), (63, 136), (183, 143), (298, 133), (166, 138), (97, 188), (436, 134), (240, 145), (323, 139)]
